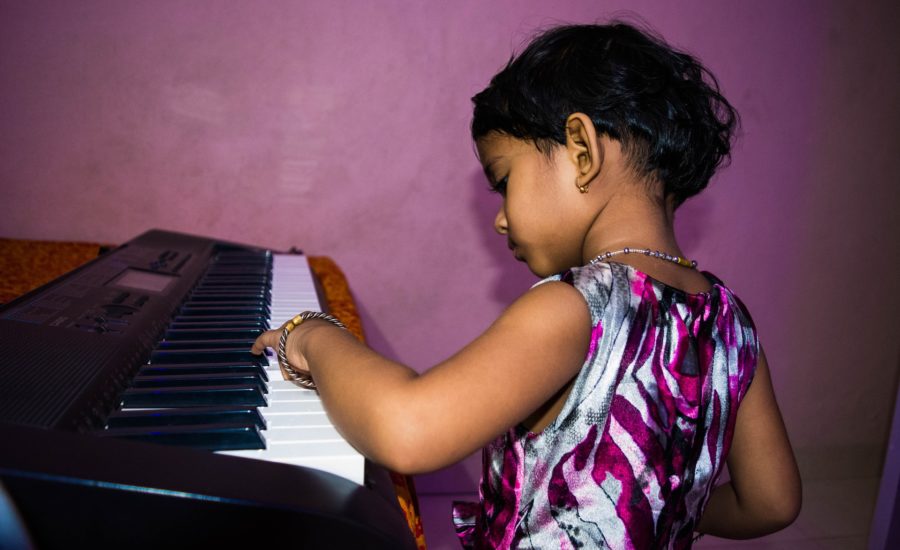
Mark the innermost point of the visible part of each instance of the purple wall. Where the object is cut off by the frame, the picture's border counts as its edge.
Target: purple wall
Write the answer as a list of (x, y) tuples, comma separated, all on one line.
[(341, 127)]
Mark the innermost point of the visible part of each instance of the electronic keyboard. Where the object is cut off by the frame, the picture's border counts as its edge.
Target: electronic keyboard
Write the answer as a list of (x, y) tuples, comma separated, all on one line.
[(127, 387)]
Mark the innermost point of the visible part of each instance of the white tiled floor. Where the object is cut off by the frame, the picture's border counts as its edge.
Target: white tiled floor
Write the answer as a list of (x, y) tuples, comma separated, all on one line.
[(835, 516)]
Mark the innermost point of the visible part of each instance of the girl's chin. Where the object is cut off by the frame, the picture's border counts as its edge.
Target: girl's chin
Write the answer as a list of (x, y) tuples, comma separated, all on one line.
[(545, 267), (539, 270), (542, 267)]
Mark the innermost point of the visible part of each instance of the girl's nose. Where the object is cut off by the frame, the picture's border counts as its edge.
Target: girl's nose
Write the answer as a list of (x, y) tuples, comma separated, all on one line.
[(500, 225)]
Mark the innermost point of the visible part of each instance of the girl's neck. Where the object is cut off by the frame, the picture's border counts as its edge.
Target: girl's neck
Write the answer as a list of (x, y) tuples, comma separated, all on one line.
[(640, 222), (632, 220)]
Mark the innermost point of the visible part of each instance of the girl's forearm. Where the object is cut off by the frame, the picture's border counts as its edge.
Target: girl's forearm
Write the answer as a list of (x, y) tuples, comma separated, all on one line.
[(414, 424), (362, 391)]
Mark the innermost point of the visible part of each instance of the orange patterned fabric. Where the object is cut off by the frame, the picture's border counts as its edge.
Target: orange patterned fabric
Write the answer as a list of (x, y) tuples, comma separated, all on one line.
[(337, 293), (26, 265), (409, 503)]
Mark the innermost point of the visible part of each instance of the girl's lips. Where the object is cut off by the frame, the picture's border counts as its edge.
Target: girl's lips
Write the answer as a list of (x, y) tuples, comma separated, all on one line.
[(515, 248), (512, 246)]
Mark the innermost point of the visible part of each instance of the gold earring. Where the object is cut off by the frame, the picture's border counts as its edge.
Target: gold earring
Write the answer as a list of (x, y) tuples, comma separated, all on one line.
[(582, 188)]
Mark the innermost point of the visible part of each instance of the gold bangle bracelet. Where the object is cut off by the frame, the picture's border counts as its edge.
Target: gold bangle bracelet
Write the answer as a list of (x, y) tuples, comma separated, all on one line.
[(302, 378)]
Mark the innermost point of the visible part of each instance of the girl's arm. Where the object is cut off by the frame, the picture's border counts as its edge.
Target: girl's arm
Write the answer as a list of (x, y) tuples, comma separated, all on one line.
[(764, 493), (415, 423)]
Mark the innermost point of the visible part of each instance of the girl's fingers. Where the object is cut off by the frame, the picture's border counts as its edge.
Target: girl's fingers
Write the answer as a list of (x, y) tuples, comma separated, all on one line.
[(268, 339)]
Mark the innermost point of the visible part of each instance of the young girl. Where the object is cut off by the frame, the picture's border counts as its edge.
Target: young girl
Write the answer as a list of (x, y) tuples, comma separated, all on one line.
[(608, 397)]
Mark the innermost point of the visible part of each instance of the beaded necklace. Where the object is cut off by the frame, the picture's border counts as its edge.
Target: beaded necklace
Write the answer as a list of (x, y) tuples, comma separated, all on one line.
[(684, 262)]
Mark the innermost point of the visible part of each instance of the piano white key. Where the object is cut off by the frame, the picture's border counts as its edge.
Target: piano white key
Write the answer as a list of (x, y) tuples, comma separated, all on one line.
[(300, 420), (279, 385), (280, 403), (281, 438), (336, 457), (344, 465), (294, 449)]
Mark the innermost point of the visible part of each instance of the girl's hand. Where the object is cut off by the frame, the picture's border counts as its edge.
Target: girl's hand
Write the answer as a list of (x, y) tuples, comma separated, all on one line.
[(295, 357)]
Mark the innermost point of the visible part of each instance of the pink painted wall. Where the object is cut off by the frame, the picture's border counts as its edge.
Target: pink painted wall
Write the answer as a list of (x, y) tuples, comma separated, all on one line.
[(342, 127)]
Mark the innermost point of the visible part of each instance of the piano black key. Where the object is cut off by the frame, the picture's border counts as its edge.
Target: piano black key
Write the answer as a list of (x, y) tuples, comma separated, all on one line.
[(226, 261), (241, 295), (211, 369), (220, 287), (226, 264), (243, 253), (189, 310), (257, 318), (230, 289), (244, 257), (193, 396), (243, 267), (190, 416), (235, 343), (218, 355), (237, 273), (218, 333), (243, 324), (260, 281), (225, 303), (174, 381), (215, 437)]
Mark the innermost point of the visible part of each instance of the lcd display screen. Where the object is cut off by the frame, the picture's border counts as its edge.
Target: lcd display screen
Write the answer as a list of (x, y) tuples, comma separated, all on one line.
[(147, 281)]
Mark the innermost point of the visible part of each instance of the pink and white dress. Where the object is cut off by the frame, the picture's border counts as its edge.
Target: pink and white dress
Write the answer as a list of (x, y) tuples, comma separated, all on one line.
[(631, 459)]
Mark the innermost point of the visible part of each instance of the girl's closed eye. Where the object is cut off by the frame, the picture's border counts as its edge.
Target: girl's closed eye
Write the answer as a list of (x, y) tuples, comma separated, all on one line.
[(499, 186)]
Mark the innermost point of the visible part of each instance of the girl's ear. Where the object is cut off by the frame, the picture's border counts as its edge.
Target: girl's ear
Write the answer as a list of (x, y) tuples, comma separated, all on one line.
[(584, 149)]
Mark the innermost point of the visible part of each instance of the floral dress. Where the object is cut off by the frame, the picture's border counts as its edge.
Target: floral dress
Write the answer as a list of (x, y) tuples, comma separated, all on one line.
[(631, 458)]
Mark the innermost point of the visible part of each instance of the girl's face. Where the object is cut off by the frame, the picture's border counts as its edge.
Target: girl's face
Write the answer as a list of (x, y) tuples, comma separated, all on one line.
[(542, 215)]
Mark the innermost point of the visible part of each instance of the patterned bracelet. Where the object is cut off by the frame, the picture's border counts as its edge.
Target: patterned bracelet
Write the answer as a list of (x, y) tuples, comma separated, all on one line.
[(302, 378)]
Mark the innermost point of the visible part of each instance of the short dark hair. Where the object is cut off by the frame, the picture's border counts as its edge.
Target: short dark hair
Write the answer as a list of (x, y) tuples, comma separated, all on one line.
[(661, 104)]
